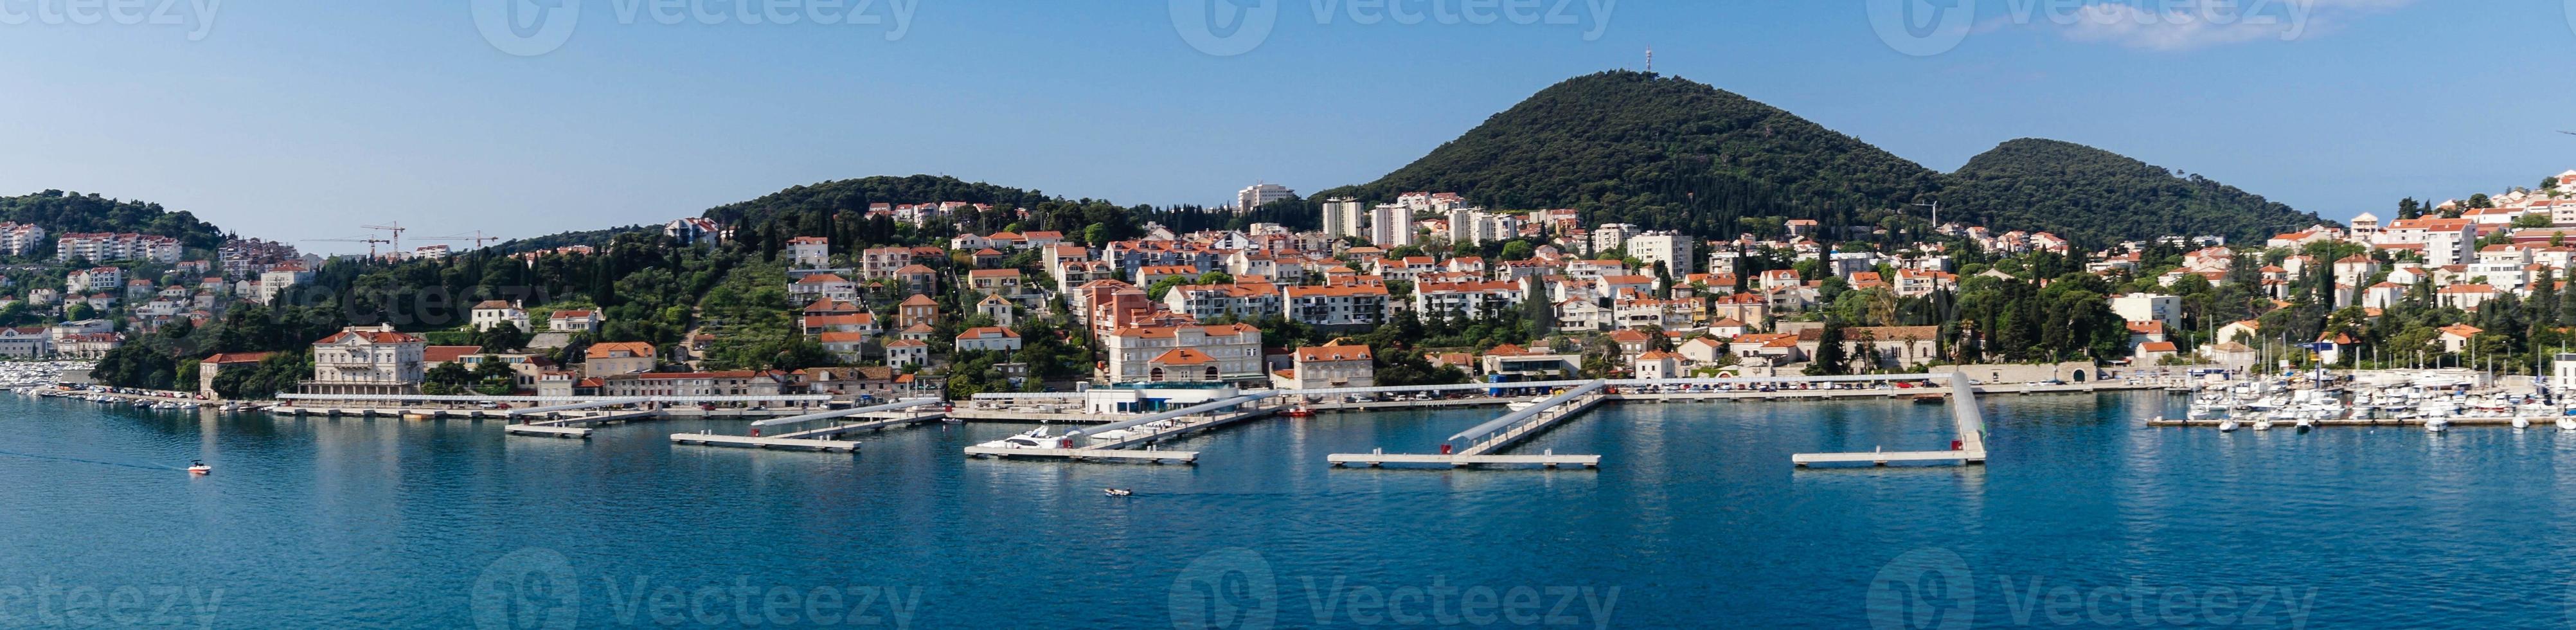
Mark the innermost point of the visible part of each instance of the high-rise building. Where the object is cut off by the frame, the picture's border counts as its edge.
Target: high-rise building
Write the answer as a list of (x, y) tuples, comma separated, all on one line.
[(1673, 249), (1344, 217), (1610, 236), (1391, 226), (1260, 194)]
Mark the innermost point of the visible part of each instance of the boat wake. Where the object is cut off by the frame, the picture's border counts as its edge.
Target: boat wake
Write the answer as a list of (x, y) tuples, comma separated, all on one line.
[(91, 461)]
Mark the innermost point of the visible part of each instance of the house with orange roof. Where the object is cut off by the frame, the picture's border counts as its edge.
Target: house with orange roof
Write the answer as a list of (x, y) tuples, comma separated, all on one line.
[(2154, 352), (989, 339), (2465, 297), (1184, 353), (1654, 364), (215, 364), (916, 310), (1328, 366), (823, 286)]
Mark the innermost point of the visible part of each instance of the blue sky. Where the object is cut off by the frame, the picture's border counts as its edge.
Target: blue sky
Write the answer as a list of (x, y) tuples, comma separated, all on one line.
[(304, 119)]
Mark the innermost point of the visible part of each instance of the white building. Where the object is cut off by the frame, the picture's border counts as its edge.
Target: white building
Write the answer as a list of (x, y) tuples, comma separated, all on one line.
[(2149, 307), (1327, 367), (281, 276), (493, 313), (1161, 354), (20, 239), (1391, 226), (1345, 217), (989, 338), (1610, 236), (1336, 306), (810, 251), (367, 360), (1260, 194), (1673, 249), (103, 246)]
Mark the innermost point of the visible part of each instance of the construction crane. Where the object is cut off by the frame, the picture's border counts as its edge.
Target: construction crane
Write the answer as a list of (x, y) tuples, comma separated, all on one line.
[(395, 227), (478, 238), (371, 242)]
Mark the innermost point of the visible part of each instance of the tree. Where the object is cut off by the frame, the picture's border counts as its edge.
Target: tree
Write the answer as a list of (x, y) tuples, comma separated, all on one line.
[(501, 337), (1831, 359)]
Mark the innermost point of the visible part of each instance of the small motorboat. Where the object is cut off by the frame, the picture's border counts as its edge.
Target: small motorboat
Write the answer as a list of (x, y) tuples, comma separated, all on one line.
[(2436, 425), (1299, 411), (2520, 423), (2306, 425), (1524, 405), (1035, 439), (1118, 492), (2227, 426), (2566, 424), (2263, 425), (200, 468)]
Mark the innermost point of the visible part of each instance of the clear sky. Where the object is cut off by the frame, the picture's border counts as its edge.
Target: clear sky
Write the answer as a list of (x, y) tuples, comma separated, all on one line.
[(303, 119)]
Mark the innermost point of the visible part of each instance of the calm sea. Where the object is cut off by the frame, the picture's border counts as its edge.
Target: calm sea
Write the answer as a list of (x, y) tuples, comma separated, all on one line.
[(2084, 518)]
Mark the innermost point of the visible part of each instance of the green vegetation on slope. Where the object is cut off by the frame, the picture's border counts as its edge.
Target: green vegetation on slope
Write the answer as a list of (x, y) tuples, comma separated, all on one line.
[(2096, 196), (1663, 152), (61, 212)]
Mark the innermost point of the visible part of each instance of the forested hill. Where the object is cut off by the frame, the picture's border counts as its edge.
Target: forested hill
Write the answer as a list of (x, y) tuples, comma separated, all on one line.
[(62, 212), (1669, 153), (2096, 196), (839, 209), (855, 195), (1661, 151)]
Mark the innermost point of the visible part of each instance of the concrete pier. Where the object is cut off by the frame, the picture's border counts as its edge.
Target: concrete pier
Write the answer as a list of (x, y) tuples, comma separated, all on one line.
[(1965, 415), (1484, 440), (825, 438)]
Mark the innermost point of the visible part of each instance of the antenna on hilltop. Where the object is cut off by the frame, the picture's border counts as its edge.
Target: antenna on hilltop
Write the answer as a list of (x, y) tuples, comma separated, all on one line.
[(1650, 59)]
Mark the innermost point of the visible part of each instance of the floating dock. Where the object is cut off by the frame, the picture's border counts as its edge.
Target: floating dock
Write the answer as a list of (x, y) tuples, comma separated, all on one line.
[(1117, 441), (1964, 413), (1485, 439), (825, 439)]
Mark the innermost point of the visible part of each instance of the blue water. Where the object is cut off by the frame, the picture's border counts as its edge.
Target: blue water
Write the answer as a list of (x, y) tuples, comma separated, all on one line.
[(1696, 520)]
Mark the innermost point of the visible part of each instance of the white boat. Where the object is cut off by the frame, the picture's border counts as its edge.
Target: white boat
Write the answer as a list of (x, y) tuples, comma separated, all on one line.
[(1118, 492), (2436, 424), (2520, 423), (2566, 423), (2307, 424), (200, 468), (2263, 425), (1524, 405), (1034, 439), (2227, 426)]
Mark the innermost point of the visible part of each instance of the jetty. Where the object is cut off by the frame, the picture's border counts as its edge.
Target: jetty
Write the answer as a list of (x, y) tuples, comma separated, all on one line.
[(826, 438), (1968, 449), (1117, 441), (1484, 440)]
